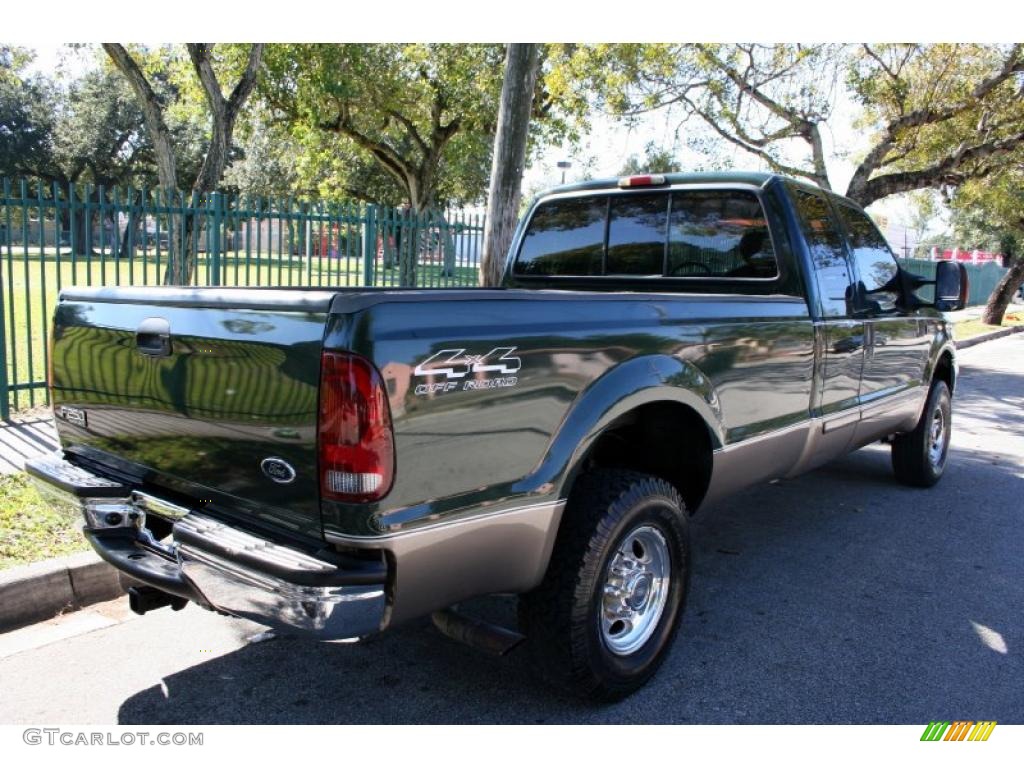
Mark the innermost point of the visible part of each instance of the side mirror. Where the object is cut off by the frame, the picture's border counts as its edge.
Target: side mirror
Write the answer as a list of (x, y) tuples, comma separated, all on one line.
[(951, 286)]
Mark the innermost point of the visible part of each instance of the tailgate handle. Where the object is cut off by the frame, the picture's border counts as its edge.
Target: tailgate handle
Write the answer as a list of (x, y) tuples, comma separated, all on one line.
[(153, 337)]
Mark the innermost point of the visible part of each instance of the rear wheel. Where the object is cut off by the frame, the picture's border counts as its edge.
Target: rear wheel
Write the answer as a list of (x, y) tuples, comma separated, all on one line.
[(919, 456), (604, 617)]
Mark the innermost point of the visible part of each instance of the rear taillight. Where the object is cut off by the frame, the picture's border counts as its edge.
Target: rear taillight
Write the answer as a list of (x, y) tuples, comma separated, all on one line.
[(357, 448)]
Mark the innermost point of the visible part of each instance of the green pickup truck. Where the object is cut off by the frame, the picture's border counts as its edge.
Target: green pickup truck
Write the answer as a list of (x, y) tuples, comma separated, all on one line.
[(334, 462)]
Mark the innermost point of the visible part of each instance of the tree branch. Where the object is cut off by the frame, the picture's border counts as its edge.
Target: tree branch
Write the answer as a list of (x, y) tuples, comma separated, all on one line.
[(199, 53), (1013, 64), (152, 112), (394, 163), (243, 89), (954, 170), (759, 96), (410, 128), (754, 150), (877, 157)]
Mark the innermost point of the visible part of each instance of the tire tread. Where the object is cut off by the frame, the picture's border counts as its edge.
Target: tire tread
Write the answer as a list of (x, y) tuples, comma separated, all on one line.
[(552, 614)]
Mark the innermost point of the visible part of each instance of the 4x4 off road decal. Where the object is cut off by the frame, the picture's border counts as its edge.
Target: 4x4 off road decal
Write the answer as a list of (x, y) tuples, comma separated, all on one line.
[(453, 369)]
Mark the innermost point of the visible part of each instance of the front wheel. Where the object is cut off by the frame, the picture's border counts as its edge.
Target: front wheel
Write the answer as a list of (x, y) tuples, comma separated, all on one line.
[(603, 619), (919, 456)]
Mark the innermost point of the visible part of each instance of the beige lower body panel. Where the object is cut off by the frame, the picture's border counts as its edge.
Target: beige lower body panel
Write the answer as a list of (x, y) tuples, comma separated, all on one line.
[(756, 459), (792, 451), (436, 567), (896, 413)]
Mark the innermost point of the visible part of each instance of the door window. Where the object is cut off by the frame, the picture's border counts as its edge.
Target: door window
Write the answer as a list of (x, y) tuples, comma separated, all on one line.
[(876, 266), (827, 256)]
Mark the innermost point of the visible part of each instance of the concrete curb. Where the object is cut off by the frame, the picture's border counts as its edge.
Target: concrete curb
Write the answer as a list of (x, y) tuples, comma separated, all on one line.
[(983, 337), (40, 591)]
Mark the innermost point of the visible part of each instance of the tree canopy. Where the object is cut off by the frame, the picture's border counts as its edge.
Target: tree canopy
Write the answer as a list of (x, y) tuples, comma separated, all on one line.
[(424, 113), (85, 131), (936, 116)]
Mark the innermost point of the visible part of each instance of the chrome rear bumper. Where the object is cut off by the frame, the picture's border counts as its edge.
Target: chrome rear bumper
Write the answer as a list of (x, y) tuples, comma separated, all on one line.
[(217, 565)]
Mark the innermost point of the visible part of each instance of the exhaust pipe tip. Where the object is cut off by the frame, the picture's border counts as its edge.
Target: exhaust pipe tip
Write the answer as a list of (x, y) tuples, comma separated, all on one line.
[(476, 633)]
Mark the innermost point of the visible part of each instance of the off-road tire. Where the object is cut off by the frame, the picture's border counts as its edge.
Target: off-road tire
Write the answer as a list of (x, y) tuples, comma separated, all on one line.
[(562, 618)]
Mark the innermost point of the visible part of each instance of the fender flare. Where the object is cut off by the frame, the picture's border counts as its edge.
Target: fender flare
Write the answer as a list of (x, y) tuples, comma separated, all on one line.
[(637, 382)]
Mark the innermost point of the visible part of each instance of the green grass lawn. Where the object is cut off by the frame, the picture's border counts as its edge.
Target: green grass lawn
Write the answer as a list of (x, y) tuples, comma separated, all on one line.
[(30, 529), (965, 329), (30, 284)]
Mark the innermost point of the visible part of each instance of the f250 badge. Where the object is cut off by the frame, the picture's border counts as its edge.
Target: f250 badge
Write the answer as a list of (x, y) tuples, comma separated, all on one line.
[(465, 372)]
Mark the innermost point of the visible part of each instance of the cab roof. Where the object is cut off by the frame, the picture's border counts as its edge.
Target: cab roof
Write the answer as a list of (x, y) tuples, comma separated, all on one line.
[(753, 178)]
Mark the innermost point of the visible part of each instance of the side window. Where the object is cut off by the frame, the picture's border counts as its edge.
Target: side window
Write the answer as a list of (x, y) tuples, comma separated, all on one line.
[(826, 247), (876, 266), (719, 233), (566, 237), (636, 234)]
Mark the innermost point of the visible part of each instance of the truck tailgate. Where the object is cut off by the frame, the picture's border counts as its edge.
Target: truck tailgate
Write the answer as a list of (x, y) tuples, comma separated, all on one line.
[(210, 393)]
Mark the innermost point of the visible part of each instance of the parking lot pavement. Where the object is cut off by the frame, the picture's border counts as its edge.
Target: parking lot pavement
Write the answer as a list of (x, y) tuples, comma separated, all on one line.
[(839, 597)]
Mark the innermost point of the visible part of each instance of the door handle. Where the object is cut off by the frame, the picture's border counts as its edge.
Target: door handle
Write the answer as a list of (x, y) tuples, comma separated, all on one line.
[(153, 337)]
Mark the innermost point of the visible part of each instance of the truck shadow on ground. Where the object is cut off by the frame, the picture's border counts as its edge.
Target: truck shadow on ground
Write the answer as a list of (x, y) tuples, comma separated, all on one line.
[(836, 597)]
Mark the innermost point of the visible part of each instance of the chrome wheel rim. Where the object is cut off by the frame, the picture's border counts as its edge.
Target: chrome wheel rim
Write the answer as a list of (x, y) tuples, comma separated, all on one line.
[(937, 438), (635, 590)]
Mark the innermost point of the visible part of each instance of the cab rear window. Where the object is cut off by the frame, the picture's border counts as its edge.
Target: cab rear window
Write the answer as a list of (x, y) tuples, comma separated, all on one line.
[(566, 237), (684, 233)]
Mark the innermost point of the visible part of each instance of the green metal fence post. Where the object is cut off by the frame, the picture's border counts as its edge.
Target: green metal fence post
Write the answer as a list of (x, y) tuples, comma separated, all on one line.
[(5, 249), (369, 244), (215, 217), (307, 234)]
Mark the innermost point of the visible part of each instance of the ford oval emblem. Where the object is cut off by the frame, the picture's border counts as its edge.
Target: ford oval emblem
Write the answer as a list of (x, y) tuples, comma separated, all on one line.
[(278, 470)]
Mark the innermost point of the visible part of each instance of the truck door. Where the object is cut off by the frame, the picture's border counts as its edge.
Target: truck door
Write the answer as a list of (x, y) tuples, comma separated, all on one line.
[(841, 335), (897, 341)]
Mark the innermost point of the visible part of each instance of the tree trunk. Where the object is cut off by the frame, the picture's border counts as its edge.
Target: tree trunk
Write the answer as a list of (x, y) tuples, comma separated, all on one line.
[(128, 237), (181, 258), (182, 226), (83, 225), (447, 251), (407, 239), (152, 113), (1003, 293), (521, 65), (446, 241)]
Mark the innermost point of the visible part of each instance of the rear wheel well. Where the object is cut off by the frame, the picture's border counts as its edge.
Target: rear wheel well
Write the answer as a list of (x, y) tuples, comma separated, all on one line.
[(665, 439)]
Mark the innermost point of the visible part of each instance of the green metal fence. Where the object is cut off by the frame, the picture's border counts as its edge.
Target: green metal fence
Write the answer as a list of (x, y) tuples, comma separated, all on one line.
[(982, 278), (53, 236)]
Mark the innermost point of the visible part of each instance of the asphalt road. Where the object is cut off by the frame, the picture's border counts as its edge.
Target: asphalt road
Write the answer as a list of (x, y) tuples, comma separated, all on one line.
[(839, 597)]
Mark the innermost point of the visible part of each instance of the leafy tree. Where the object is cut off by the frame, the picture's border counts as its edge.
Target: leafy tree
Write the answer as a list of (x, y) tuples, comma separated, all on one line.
[(937, 115), (989, 214), (85, 134), (26, 126), (424, 114), (163, 93), (417, 110), (266, 163), (13, 59), (654, 160)]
